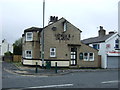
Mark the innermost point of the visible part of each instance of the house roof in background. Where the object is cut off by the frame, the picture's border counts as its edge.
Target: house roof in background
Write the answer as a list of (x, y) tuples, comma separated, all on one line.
[(97, 39)]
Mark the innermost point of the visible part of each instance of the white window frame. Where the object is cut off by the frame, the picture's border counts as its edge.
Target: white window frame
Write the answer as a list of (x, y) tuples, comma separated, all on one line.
[(28, 56), (92, 57), (27, 36), (65, 26), (73, 56), (88, 57), (84, 57), (53, 52), (117, 44), (72, 62)]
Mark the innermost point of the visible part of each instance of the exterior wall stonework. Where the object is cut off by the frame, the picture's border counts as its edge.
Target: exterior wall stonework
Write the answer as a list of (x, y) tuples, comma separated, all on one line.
[(82, 63), (72, 39), (33, 45), (63, 51)]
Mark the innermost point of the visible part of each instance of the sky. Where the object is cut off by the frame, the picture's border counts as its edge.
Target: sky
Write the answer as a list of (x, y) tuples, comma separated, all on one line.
[(87, 15)]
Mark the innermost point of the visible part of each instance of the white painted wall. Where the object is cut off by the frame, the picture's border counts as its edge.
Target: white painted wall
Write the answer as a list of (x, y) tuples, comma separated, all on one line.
[(59, 63), (5, 47), (103, 51), (111, 41)]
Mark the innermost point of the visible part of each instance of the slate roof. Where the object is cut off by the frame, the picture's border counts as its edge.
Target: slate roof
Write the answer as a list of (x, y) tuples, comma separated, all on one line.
[(97, 39), (59, 20), (33, 29)]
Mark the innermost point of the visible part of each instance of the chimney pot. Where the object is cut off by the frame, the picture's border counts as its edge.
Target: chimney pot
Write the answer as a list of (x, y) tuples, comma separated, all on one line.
[(53, 19), (101, 27), (101, 32)]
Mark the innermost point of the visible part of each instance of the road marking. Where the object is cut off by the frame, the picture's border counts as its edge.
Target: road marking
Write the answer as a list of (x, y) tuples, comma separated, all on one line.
[(49, 86), (34, 76), (115, 81)]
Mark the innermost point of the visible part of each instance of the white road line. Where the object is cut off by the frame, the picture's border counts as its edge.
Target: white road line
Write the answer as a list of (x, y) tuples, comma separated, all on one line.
[(62, 85), (115, 81), (34, 76)]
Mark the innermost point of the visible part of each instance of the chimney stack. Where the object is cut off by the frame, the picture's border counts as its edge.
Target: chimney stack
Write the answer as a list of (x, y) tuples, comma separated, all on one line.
[(53, 19), (101, 32)]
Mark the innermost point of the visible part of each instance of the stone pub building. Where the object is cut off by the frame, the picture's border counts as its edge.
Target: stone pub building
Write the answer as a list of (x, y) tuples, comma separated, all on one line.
[(62, 44)]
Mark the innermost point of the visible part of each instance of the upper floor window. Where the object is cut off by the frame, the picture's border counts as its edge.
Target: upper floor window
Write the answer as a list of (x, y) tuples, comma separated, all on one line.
[(96, 46), (116, 44), (65, 26), (29, 36), (52, 52)]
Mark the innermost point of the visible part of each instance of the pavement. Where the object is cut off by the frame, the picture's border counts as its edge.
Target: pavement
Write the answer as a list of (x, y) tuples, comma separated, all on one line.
[(27, 70)]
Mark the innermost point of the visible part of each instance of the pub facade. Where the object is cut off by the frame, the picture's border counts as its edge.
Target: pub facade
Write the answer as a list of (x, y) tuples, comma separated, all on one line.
[(62, 44)]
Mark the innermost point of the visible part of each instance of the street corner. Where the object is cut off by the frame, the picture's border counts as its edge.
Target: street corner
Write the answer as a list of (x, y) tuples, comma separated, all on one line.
[(21, 72)]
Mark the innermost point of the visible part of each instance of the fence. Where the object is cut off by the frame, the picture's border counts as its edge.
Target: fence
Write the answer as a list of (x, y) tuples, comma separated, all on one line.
[(14, 58), (17, 58), (7, 58)]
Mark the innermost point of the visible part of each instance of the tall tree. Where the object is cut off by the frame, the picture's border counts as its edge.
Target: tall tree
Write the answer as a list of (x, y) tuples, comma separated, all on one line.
[(17, 47)]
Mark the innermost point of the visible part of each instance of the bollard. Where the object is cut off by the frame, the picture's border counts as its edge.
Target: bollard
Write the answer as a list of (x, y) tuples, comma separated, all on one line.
[(55, 67), (36, 69)]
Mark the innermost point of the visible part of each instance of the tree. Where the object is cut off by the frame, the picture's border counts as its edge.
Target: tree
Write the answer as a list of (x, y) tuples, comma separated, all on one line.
[(17, 47)]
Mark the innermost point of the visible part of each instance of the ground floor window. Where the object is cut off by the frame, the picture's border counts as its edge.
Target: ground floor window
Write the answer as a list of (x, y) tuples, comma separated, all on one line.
[(87, 56), (91, 56), (52, 52), (28, 53)]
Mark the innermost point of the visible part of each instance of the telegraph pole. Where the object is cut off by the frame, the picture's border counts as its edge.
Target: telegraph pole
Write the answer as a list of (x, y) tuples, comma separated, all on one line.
[(42, 54)]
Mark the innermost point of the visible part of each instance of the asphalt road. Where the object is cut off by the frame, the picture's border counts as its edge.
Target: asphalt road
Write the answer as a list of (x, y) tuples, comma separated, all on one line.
[(98, 79)]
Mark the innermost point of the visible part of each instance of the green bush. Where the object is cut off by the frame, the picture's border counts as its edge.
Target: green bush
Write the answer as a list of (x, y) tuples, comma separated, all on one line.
[(8, 53)]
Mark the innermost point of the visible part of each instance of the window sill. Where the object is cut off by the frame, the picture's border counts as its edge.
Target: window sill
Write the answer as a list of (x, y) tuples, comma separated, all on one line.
[(88, 61), (28, 57), (52, 57)]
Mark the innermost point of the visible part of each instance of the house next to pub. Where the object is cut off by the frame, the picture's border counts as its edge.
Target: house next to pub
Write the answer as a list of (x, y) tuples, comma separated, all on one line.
[(62, 44), (108, 46), (5, 47)]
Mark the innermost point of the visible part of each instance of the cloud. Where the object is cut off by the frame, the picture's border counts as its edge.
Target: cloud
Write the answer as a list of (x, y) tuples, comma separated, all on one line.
[(85, 14)]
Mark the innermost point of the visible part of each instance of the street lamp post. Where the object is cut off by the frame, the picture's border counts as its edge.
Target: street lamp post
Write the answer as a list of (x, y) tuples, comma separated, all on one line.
[(42, 54)]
